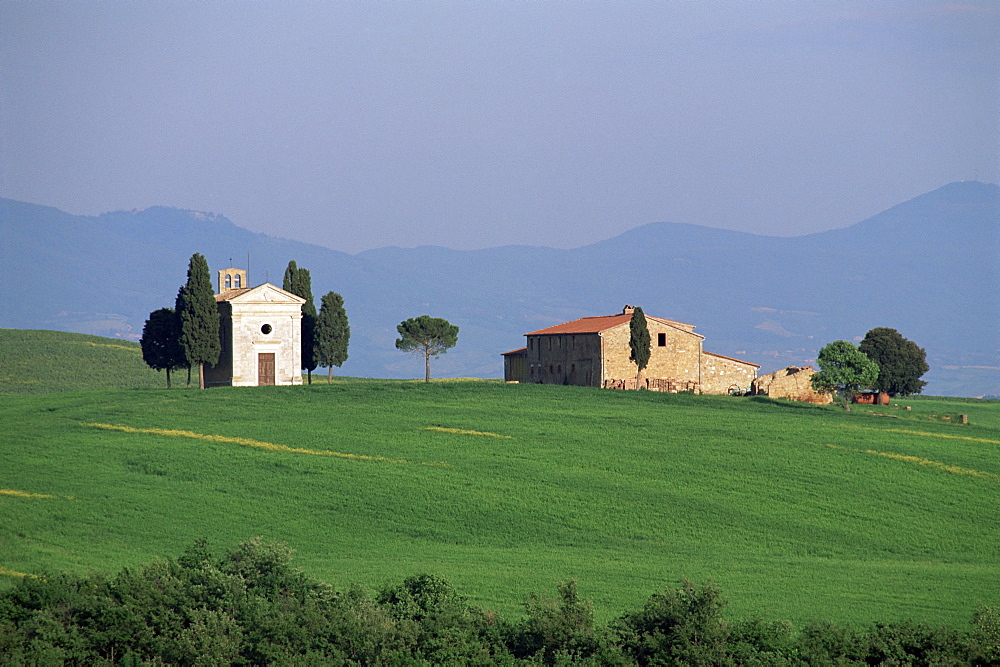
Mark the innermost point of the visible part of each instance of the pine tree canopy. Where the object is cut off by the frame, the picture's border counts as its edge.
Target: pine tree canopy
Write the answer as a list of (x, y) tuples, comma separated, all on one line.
[(427, 336)]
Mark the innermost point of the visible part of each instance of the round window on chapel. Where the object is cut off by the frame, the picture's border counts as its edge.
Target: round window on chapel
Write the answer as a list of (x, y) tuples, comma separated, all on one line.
[(266, 329)]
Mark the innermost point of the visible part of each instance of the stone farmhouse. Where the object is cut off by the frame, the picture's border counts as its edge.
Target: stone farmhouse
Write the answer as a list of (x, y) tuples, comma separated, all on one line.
[(594, 352), (261, 332)]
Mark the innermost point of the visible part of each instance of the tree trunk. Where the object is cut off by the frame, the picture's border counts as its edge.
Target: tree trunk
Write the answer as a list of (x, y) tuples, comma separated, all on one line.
[(168, 378), (427, 368), (329, 374), (309, 374), (201, 375)]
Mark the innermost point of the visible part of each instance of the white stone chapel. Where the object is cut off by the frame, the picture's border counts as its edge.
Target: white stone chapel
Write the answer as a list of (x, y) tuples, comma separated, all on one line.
[(261, 332)]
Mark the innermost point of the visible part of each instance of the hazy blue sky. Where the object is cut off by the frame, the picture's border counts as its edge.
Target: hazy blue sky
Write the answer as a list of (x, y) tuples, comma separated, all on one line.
[(473, 124)]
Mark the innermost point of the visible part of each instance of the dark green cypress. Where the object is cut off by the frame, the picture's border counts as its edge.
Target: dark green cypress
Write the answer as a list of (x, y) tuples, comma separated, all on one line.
[(199, 317), (333, 333), (299, 282), (639, 342)]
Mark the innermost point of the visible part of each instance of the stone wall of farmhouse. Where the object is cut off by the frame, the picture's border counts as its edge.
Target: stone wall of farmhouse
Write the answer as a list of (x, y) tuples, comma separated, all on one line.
[(676, 361), (673, 354), (565, 359), (720, 375)]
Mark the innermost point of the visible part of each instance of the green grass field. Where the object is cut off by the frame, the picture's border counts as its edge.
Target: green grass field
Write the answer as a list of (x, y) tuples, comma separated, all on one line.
[(35, 361), (797, 512)]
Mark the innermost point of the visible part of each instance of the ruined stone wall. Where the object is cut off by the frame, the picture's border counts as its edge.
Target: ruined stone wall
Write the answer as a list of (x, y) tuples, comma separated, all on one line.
[(792, 383), (673, 354), (722, 375), (565, 359)]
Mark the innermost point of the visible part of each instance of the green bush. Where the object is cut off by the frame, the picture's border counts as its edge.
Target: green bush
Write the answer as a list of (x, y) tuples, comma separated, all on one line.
[(251, 607), (683, 626)]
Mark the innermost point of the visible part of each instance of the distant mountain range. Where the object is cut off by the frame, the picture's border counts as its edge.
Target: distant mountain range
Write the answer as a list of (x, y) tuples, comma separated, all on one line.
[(929, 267)]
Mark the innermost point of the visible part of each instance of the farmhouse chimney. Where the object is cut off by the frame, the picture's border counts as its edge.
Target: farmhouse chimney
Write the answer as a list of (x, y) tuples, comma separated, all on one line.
[(232, 279), (628, 310)]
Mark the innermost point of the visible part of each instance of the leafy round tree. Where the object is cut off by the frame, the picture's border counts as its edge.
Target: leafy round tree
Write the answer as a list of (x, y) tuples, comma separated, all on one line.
[(843, 367), (299, 282), (332, 333), (160, 342), (427, 336), (199, 318), (638, 342), (901, 362)]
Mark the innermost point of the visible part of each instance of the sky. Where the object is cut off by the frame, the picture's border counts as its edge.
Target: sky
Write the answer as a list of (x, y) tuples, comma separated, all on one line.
[(363, 124)]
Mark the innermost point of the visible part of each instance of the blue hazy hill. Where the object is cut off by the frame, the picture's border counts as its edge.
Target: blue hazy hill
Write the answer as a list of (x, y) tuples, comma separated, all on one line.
[(927, 267)]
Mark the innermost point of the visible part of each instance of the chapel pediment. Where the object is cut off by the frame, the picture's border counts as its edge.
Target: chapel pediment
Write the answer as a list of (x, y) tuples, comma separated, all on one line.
[(266, 293)]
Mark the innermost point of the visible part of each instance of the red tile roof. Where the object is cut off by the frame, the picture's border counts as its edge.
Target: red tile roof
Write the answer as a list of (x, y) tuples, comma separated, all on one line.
[(584, 325), (232, 293), (597, 324), (520, 350)]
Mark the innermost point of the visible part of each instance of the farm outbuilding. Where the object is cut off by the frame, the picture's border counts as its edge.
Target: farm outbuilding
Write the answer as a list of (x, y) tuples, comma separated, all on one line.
[(594, 352), (261, 332), (515, 365)]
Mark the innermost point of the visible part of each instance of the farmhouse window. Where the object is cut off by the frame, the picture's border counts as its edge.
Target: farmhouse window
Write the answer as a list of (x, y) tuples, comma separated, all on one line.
[(661, 340)]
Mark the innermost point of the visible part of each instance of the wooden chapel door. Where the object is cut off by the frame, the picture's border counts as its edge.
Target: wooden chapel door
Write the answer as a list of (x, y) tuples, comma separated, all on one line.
[(265, 368)]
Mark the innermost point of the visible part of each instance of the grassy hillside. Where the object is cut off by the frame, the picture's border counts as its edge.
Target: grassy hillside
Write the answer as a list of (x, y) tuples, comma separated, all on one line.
[(796, 511), (38, 361)]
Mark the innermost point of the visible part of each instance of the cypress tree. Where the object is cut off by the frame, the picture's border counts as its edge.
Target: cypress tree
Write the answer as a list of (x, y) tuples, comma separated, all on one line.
[(299, 282), (332, 333), (638, 342), (199, 318), (288, 282)]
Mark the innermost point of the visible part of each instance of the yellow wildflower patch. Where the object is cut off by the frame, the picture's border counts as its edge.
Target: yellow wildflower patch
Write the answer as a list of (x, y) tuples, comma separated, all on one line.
[(927, 435), (14, 573), (460, 431), (245, 442), (957, 470), (116, 347), (24, 494)]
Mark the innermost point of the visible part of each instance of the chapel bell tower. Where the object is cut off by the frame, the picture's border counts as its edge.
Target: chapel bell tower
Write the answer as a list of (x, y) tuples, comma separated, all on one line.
[(230, 279)]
